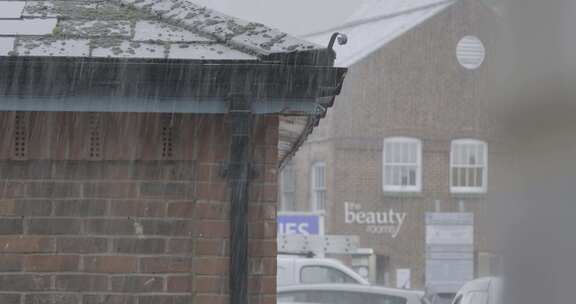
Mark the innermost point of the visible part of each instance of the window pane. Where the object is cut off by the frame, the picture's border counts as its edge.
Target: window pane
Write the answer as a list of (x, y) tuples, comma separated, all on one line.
[(319, 181), (288, 188), (459, 154), (404, 176), (406, 151), (316, 177), (412, 174), (397, 176), (401, 152), (472, 157), (462, 177), (320, 200), (466, 154), (481, 152), (413, 153), (455, 177), (471, 177), (396, 152), (479, 177)]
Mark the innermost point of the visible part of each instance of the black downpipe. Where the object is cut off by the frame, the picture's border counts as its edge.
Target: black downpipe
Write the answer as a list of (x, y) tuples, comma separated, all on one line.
[(239, 175)]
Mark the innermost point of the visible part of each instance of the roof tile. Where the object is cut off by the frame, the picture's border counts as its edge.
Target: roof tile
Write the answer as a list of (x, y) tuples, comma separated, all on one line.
[(11, 9), (25, 27), (206, 51), (241, 34), (6, 45), (158, 31), (113, 28), (130, 49), (53, 47), (39, 9), (96, 28)]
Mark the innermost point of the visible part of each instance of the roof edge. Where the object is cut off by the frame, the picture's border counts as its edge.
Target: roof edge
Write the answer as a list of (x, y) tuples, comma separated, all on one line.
[(377, 18)]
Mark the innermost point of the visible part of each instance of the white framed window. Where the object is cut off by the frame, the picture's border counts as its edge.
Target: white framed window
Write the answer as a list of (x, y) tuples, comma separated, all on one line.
[(468, 166), (402, 164), (288, 188), (319, 186)]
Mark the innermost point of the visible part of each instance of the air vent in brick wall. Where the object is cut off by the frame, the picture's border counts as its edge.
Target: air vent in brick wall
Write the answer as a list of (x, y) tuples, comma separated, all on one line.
[(95, 143), (101, 136), (20, 135), (167, 125)]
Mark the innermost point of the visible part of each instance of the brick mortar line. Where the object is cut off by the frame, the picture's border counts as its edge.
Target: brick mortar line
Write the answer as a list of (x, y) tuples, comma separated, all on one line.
[(52, 275), (108, 180), (127, 198), (104, 274), (136, 255), (120, 237), (97, 293), (101, 236), (134, 236), (102, 217)]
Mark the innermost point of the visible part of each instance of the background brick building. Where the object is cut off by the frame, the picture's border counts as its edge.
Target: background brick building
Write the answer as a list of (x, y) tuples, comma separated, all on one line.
[(404, 80), (139, 150)]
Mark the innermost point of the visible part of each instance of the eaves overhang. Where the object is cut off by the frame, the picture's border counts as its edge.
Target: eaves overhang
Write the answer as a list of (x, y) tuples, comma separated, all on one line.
[(300, 94), (119, 85)]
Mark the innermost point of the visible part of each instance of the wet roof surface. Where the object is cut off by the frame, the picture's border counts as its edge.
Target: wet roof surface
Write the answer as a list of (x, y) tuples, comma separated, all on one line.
[(11, 9), (175, 29)]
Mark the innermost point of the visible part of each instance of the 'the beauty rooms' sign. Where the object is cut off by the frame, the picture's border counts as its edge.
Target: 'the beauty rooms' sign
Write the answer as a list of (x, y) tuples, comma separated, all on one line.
[(377, 222)]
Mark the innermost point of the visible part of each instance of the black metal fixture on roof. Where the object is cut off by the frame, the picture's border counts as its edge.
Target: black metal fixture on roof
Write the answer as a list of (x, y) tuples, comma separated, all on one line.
[(342, 40)]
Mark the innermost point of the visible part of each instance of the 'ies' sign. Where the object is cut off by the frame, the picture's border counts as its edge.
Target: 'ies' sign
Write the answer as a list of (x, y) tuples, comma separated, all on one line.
[(300, 224)]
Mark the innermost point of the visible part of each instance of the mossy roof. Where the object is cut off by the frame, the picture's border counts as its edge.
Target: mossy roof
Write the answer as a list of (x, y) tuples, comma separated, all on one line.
[(157, 29)]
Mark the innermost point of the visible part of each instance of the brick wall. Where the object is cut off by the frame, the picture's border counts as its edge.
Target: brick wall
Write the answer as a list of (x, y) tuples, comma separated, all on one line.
[(127, 209)]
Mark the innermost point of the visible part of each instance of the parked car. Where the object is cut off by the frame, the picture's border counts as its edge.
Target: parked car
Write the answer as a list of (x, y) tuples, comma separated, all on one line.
[(347, 294), (480, 291), (301, 270)]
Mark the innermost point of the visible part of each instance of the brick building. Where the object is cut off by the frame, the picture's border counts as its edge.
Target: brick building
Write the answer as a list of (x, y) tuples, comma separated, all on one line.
[(140, 145), (408, 134)]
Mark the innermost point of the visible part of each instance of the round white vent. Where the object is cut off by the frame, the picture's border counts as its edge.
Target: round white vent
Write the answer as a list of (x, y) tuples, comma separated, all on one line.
[(470, 52)]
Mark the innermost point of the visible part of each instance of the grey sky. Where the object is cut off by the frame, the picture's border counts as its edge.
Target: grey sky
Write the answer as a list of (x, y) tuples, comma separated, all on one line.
[(296, 17)]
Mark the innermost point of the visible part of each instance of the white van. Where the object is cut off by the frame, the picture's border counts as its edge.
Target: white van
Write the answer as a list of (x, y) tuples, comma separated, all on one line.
[(293, 270), (480, 291), (347, 294)]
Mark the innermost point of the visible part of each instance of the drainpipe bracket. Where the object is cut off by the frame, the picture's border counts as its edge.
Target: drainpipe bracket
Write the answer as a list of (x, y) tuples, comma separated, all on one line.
[(226, 167)]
